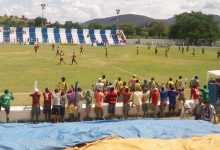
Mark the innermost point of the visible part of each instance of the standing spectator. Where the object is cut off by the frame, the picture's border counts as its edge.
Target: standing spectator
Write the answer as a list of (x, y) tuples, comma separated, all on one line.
[(56, 106), (99, 85), (79, 98), (169, 83), (145, 85), (179, 84), (145, 98), (163, 100), (195, 95), (172, 100), (126, 102), (88, 98), (62, 85), (99, 97), (136, 100), (62, 105), (35, 111), (132, 81), (205, 93), (194, 83), (47, 104), (112, 99), (181, 100), (71, 104), (5, 102), (155, 98)]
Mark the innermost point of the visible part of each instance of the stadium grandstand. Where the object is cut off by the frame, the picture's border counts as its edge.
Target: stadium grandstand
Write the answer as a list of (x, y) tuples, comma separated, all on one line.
[(30, 35)]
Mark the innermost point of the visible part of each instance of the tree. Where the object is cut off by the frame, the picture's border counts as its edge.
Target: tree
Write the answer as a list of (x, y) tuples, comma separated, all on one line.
[(39, 21), (158, 29), (128, 29), (194, 26), (95, 25), (141, 31)]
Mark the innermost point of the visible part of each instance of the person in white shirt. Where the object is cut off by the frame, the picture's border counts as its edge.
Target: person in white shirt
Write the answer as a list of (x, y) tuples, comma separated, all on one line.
[(56, 106), (136, 98)]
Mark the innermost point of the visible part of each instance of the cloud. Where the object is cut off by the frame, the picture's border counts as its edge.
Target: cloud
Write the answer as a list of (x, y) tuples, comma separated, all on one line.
[(83, 10)]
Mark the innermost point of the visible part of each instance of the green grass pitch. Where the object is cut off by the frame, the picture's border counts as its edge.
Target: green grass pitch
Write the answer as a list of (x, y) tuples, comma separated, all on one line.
[(20, 66)]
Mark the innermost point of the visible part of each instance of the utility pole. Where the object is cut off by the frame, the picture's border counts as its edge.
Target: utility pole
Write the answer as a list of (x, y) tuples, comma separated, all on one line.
[(43, 7), (117, 13)]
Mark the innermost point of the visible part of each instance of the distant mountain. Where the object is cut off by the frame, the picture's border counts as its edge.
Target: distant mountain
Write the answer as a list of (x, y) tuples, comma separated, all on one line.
[(135, 19)]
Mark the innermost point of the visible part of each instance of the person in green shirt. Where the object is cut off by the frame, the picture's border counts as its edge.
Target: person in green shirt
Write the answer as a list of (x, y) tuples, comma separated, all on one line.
[(205, 93), (5, 102)]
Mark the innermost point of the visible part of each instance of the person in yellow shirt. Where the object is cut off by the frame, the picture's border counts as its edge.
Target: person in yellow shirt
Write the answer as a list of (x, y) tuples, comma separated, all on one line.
[(62, 85), (62, 57)]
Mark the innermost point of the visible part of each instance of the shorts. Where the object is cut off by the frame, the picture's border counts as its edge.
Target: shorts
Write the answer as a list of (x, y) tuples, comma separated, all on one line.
[(172, 107), (35, 111), (71, 109), (98, 110), (163, 105), (47, 109), (56, 110), (198, 117), (144, 107), (61, 59), (62, 111), (126, 107), (7, 110), (79, 107), (111, 108), (88, 108)]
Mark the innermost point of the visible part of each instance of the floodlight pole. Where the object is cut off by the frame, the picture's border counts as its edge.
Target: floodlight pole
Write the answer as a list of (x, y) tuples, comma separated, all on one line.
[(43, 7), (117, 13)]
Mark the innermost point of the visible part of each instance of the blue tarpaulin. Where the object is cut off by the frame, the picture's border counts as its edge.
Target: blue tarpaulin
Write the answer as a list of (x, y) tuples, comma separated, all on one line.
[(62, 135)]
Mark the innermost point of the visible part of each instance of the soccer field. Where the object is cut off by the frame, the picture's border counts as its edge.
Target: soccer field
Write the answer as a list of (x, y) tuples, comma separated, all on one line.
[(20, 66)]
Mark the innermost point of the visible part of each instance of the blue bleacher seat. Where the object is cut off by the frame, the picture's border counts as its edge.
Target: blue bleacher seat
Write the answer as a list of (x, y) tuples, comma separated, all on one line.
[(114, 36), (44, 35), (6, 34), (81, 36), (56, 32), (92, 35), (19, 34), (103, 36), (69, 36), (32, 35)]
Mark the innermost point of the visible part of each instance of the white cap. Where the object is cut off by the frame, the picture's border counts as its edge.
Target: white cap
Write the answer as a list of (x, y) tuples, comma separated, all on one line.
[(36, 90)]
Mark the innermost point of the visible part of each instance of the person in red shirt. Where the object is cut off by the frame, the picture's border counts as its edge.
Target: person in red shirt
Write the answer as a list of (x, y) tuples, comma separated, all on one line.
[(112, 99), (35, 111), (126, 102), (195, 95), (47, 104), (155, 97), (74, 58)]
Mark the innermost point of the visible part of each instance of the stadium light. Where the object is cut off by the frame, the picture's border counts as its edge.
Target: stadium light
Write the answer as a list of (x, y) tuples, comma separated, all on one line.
[(43, 7), (117, 13)]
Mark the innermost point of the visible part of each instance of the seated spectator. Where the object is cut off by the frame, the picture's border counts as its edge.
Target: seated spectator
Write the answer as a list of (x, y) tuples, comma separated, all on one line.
[(208, 111)]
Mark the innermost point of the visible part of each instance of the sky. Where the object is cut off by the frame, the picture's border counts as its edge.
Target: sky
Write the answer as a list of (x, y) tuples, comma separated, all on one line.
[(84, 10)]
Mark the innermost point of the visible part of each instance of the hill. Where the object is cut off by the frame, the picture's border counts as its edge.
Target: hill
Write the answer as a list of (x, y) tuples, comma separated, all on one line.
[(135, 19)]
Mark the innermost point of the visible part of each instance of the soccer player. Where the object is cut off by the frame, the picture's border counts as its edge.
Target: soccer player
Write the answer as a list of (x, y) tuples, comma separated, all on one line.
[(74, 58), (81, 49), (218, 54), (137, 50), (193, 51), (182, 49), (35, 48), (156, 50), (58, 51), (52, 46), (5, 101), (106, 52), (203, 50), (62, 57)]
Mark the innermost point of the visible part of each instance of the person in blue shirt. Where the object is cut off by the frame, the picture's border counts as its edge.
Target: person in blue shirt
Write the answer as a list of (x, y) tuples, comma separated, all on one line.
[(172, 94), (163, 101)]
